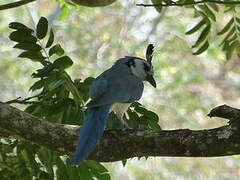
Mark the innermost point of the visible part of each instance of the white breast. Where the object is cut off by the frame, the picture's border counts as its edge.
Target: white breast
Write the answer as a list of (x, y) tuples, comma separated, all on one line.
[(120, 109)]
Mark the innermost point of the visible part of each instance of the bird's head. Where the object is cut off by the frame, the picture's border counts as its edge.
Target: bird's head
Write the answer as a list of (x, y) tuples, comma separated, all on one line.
[(141, 68)]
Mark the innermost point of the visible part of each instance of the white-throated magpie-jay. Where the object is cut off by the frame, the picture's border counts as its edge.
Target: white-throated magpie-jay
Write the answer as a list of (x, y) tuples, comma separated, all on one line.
[(115, 88)]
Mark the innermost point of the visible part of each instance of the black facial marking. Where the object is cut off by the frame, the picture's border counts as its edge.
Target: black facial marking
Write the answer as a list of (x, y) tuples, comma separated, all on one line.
[(130, 63), (146, 67)]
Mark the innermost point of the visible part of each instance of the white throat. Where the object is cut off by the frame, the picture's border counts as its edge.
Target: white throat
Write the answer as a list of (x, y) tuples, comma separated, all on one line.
[(138, 69)]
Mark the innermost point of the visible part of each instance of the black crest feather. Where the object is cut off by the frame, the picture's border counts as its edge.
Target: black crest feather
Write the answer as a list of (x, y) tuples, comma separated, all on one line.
[(149, 53)]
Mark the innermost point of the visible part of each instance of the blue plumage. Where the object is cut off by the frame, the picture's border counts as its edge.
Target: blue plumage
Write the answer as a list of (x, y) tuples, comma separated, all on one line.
[(91, 131)]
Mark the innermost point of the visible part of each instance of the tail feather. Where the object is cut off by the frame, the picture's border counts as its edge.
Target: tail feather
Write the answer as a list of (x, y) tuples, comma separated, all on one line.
[(91, 131)]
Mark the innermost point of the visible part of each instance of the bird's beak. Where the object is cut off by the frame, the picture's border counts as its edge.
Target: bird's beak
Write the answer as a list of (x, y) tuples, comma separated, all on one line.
[(151, 80)]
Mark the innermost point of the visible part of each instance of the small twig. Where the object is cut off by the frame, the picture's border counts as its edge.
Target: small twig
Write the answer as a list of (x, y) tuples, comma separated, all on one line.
[(15, 4), (24, 101), (191, 3), (12, 101)]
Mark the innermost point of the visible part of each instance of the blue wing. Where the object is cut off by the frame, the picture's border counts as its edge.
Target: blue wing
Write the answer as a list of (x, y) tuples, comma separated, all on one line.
[(91, 131), (117, 84)]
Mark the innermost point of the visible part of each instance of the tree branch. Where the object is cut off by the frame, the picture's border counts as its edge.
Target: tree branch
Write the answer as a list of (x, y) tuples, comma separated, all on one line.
[(94, 3), (190, 3), (15, 4), (117, 144)]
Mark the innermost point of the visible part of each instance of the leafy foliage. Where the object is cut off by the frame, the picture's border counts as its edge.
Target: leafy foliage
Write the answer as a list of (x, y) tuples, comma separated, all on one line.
[(208, 16), (231, 41), (60, 99)]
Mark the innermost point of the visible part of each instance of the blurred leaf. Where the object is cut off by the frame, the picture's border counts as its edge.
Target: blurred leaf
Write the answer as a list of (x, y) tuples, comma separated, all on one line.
[(44, 175), (225, 45), (63, 62), (50, 39), (227, 27), (64, 13), (158, 8), (154, 126), (61, 171), (202, 36), (33, 55), (207, 11), (29, 157), (55, 84), (238, 20), (196, 27), (28, 46), (42, 28), (213, 6), (44, 71), (96, 165), (124, 162), (37, 85), (231, 49), (22, 37), (56, 49), (229, 34), (74, 91), (19, 26), (202, 48), (98, 170)]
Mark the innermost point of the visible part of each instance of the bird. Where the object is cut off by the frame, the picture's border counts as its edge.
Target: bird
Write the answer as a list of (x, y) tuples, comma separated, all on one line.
[(113, 90)]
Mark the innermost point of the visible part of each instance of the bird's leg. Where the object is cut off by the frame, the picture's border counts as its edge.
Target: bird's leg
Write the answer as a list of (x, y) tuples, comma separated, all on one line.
[(125, 124)]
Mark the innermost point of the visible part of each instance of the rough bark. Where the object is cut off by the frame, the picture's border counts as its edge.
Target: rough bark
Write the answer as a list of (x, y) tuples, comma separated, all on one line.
[(118, 145)]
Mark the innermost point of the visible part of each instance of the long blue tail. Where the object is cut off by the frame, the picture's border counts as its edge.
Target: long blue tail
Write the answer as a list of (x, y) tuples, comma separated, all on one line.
[(91, 131)]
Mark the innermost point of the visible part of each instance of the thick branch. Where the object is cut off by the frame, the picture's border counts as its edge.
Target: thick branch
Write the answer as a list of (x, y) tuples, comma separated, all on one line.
[(15, 4), (191, 3), (117, 145)]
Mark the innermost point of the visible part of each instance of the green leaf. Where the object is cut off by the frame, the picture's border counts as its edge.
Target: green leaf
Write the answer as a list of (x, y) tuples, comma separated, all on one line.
[(153, 125), (96, 165), (55, 84), (37, 85), (238, 20), (213, 6), (205, 17), (227, 27), (44, 71), (42, 28), (229, 34), (124, 162), (64, 13), (22, 36), (61, 171), (33, 55), (50, 39), (19, 26), (233, 37), (28, 46), (157, 8), (207, 11), (202, 48), (73, 89), (64, 62), (202, 36), (196, 27), (45, 176), (231, 49), (56, 49), (225, 45)]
